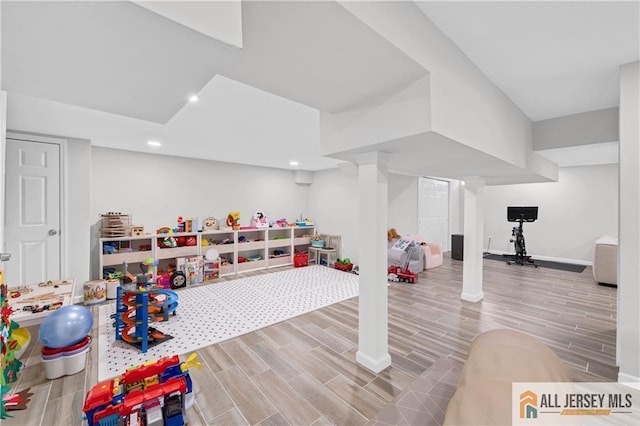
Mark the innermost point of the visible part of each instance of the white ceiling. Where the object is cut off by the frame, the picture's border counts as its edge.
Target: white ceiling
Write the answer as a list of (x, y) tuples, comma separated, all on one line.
[(109, 56), (128, 72), (552, 58)]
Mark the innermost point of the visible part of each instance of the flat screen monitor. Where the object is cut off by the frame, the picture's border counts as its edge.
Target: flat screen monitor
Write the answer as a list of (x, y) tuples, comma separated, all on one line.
[(524, 214)]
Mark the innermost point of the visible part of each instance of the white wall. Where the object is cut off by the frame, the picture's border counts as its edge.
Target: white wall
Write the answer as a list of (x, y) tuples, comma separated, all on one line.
[(333, 203), (403, 203), (156, 189), (573, 213), (576, 129)]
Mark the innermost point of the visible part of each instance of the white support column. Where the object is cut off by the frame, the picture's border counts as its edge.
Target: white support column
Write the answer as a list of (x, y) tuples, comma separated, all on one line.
[(628, 329), (3, 139), (473, 235), (373, 349)]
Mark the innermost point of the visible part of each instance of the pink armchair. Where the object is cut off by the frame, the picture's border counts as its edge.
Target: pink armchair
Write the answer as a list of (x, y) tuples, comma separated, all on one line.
[(432, 252), (432, 255)]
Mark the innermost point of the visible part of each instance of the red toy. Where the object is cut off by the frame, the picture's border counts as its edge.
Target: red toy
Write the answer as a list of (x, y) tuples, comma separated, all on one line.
[(403, 273), (158, 390)]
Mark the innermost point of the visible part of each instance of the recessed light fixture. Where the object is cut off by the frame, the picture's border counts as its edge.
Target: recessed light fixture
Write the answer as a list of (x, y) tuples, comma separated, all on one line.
[(154, 143), (293, 163), (193, 98)]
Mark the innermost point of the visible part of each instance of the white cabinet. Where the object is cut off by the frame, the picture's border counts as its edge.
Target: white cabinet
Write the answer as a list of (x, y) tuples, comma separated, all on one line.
[(240, 250)]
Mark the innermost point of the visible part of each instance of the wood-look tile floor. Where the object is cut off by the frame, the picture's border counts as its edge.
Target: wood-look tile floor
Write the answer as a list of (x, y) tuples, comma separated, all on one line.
[(303, 372)]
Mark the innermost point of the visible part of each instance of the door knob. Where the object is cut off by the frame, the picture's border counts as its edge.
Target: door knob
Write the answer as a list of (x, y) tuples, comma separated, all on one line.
[(52, 232), (5, 257)]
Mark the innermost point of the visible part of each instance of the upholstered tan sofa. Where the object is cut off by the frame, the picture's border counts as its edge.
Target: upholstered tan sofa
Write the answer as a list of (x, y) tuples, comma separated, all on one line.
[(605, 260), (496, 359)]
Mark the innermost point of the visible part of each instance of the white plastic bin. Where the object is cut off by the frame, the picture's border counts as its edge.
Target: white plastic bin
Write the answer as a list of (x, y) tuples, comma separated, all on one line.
[(65, 365)]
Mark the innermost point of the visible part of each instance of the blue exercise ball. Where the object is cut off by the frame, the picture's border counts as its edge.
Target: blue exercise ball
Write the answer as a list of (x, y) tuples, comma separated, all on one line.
[(65, 326)]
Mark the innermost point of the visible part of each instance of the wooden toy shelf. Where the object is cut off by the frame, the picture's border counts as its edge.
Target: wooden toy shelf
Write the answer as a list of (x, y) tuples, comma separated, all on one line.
[(272, 247)]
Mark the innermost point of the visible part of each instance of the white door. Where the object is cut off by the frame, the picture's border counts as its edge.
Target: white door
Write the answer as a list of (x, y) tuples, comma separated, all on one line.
[(433, 211), (32, 211)]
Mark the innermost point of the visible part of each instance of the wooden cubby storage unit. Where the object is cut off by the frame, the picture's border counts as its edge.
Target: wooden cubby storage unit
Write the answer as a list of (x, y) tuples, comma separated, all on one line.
[(279, 247), (114, 252), (302, 238), (251, 247), (262, 247), (225, 243)]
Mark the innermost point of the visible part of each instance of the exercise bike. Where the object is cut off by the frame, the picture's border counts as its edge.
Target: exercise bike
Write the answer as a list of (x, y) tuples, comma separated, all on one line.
[(520, 215)]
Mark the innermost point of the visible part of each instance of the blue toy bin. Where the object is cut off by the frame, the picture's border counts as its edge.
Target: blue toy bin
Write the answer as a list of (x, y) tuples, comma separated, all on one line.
[(317, 243)]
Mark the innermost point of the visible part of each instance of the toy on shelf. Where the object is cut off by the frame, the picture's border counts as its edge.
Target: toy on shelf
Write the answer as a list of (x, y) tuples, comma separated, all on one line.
[(115, 224), (191, 267), (259, 219), (137, 230), (304, 222), (191, 224), (159, 391), (233, 220), (168, 241), (210, 224), (281, 223)]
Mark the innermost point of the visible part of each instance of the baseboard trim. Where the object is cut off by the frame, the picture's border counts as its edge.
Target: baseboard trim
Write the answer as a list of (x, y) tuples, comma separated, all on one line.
[(629, 380), (472, 297), (374, 364), (551, 258)]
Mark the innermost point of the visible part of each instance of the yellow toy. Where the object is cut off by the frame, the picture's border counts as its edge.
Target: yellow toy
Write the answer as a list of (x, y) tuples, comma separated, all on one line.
[(233, 220)]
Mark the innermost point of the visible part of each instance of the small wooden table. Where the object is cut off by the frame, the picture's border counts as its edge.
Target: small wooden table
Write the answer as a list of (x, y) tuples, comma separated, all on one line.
[(32, 303)]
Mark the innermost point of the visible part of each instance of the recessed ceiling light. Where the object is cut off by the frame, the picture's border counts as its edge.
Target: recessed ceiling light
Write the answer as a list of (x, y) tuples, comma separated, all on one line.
[(194, 98), (293, 163), (154, 143)]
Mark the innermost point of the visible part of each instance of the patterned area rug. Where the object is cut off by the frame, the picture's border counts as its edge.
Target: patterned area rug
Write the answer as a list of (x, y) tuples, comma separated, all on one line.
[(211, 313)]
